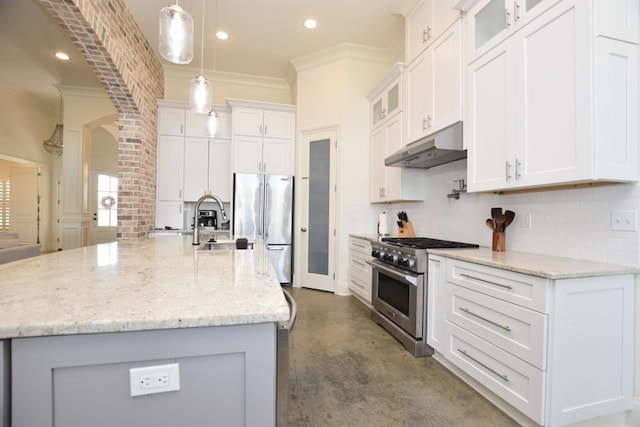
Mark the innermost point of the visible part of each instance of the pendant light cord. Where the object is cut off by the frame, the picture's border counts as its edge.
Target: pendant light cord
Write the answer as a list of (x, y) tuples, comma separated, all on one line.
[(202, 42)]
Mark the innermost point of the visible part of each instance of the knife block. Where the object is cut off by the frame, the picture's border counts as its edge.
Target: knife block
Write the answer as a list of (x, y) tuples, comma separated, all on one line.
[(406, 230)]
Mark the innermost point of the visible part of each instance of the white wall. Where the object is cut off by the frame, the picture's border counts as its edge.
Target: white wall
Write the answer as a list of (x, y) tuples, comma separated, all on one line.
[(227, 85), (25, 123), (104, 151), (332, 87)]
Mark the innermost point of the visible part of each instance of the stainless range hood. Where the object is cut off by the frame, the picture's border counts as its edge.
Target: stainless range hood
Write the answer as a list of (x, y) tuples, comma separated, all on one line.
[(441, 147)]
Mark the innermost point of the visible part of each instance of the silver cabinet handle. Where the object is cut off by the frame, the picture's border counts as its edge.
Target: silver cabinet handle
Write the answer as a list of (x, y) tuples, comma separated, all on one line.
[(429, 121), (179, 194), (507, 16), (181, 129), (486, 281), (503, 376), (425, 35), (424, 124), (261, 130), (507, 171), (505, 327), (518, 169), (359, 263), (516, 11), (265, 129), (303, 229)]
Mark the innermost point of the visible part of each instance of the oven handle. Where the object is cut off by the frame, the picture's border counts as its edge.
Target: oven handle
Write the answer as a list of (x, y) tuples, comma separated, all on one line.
[(403, 276)]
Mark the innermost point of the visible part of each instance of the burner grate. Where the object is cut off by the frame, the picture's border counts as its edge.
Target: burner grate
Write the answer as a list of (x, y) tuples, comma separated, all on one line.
[(426, 243)]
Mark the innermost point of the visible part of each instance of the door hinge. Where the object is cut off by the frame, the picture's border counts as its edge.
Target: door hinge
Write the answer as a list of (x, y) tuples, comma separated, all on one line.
[(334, 231), (334, 276)]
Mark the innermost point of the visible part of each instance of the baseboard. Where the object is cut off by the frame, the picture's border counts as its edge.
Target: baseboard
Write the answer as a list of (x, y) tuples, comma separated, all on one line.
[(633, 417)]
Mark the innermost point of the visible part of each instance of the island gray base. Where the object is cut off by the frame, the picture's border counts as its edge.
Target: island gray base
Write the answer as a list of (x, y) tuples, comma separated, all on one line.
[(227, 377)]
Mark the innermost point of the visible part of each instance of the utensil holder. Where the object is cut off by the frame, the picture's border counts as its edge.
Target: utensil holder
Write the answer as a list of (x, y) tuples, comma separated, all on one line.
[(499, 241), (406, 230)]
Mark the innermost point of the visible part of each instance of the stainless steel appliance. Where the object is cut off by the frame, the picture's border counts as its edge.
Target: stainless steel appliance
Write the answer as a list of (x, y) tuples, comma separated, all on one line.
[(208, 218), (399, 295), (263, 206)]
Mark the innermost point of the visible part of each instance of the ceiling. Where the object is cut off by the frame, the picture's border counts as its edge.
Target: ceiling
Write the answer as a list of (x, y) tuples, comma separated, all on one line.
[(265, 35)]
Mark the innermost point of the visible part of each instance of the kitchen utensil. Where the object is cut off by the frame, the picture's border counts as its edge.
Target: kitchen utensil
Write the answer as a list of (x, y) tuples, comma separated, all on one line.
[(495, 212), (500, 220), (490, 224), (510, 216), (400, 224)]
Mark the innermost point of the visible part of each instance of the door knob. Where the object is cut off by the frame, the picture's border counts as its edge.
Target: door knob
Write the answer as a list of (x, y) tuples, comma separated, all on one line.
[(303, 229)]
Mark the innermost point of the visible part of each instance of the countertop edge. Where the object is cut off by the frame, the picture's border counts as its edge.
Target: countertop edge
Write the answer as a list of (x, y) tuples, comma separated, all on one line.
[(548, 267)]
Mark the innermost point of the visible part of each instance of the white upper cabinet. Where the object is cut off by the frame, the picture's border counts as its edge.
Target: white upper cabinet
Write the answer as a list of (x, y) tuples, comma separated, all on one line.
[(425, 22), (618, 19), (434, 86), (389, 101), (491, 21), (263, 137), (553, 104), (170, 168), (171, 121)]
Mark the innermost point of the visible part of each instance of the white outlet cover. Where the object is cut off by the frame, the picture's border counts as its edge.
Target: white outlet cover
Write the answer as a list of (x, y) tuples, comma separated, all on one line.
[(624, 221), (154, 379)]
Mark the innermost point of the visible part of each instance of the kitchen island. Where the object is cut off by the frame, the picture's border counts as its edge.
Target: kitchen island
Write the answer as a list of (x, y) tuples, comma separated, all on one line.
[(74, 323)]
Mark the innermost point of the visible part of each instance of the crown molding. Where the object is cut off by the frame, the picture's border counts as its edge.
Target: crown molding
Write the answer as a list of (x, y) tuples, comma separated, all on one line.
[(338, 52)]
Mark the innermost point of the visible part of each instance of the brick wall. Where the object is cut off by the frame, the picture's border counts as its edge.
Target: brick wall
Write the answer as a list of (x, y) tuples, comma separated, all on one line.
[(124, 62)]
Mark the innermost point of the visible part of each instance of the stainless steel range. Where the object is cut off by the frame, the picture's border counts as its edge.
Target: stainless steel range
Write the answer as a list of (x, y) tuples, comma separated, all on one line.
[(399, 295)]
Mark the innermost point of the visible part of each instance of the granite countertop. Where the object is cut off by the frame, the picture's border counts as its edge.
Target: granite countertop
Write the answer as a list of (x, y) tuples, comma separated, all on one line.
[(369, 237), (156, 283), (549, 267)]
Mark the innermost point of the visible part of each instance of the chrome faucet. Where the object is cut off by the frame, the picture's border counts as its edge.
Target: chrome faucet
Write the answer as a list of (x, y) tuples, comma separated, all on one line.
[(196, 227)]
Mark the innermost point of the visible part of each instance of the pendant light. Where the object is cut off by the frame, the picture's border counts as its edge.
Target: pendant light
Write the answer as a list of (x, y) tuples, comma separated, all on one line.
[(199, 88), (176, 35), (53, 145), (212, 120)]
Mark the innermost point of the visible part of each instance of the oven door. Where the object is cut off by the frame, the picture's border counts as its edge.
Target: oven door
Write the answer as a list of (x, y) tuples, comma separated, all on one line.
[(399, 295)]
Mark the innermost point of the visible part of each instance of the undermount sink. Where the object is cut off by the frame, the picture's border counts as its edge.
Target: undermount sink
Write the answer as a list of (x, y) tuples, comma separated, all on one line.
[(221, 244)]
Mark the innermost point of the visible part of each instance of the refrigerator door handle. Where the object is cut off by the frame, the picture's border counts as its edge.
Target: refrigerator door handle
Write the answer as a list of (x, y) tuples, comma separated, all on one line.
[(267, 213), (271, 248), (260, 221)]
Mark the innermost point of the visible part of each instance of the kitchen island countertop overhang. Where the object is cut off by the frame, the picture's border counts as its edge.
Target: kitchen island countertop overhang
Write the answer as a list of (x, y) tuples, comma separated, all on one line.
[(150, 284)]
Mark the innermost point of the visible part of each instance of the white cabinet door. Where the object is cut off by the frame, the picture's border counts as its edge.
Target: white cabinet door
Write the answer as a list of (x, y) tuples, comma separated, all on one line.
[(224, 126), (618, 19), (220, 168), (378, 153), (444, 14), (170, 168), (196, 124), (416, 29), (490, 120), (551, 144), (278, 124), (247, 121), (196, 170), (169, 214), (419, 97), (393, 182), (171, 121), (447, 77), (276, 156), (436, 333), (247, 154)]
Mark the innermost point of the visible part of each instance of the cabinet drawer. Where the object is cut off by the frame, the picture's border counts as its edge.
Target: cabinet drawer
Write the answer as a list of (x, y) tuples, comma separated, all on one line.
[(360, 287), (515, 381), (522, 289), (515, 329), (359, 266), (361, 246)]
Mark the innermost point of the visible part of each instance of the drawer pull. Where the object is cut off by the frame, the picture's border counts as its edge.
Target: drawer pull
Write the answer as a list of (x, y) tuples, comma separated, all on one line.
[(358, 245), (358, 262), (486, 281), (505, 327), (464, 352)]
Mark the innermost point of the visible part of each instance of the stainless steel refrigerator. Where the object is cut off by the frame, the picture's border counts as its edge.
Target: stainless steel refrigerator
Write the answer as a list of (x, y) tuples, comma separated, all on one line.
[(263, 206)]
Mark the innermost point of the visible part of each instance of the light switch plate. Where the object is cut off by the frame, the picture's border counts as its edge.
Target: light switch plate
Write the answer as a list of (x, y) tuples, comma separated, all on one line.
[(624, 220), (154, 379)]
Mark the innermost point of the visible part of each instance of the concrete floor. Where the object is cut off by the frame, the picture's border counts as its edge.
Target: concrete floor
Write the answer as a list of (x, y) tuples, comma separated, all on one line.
[(347, 371)]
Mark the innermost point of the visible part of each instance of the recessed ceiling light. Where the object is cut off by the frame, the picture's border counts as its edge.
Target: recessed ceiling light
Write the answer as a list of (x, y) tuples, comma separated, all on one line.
[(222, 35), (310, 24), (62, 56)]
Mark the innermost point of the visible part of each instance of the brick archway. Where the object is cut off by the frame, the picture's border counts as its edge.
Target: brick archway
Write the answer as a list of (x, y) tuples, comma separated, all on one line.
[(113, 45)]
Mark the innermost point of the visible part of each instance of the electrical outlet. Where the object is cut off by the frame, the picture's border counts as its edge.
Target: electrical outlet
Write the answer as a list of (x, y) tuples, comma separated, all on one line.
[(154, 379), (624, 220), (526, 220)]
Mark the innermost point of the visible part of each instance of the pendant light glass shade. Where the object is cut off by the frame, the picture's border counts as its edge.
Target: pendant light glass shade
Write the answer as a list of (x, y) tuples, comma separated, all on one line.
[(54, 144), (200, 95), (212, 124), (176, 35)]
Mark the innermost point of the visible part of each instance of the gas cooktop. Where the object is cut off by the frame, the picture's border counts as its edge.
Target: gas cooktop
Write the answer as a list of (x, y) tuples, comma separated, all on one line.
[(425, 243)]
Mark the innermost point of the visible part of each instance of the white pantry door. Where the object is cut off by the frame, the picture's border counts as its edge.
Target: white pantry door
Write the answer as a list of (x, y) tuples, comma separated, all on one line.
[(24, 203), (317, 223)]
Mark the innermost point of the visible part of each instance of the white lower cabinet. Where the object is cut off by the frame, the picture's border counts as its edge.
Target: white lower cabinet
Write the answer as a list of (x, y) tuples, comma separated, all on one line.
[(359, 270), (169, 214), (558, 351)]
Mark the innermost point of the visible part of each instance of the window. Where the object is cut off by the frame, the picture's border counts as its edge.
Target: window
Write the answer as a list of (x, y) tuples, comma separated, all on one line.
[(107, 201), (5, 198)]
